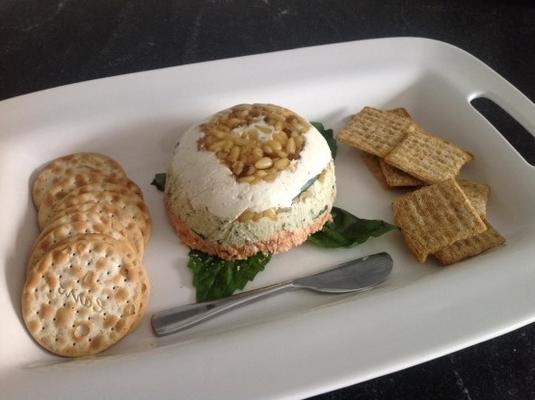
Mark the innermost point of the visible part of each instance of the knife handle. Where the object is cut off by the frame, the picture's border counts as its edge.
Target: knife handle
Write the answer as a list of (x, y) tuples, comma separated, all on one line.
[(178, 318)]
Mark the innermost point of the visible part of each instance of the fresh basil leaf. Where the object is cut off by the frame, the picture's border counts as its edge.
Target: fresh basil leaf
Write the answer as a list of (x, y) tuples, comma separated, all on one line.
[(159, 181), (347, 230), (328, 135), (215, 278)]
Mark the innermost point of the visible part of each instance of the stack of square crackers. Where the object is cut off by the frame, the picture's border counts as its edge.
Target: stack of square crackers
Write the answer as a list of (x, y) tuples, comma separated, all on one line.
[(445, 216), (86, 286)]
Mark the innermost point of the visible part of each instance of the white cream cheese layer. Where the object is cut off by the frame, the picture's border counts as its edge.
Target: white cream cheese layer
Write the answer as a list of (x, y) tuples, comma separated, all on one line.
[(211, 185)]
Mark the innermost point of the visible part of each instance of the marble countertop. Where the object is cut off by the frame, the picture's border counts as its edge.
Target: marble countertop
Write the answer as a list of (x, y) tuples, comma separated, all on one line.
[(47, 43)]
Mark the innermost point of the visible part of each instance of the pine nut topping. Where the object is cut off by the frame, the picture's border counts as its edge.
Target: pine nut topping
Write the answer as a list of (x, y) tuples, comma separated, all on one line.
[(255, 141)]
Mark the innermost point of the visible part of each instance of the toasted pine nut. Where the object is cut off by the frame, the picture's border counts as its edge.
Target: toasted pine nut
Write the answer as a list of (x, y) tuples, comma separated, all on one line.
[(234, 153), (290, 146), (260, 173), (270, 213), (281, 163), (246, 216), (267, 149), (275, 145), (263, 163), (246, 179), (270, 177)]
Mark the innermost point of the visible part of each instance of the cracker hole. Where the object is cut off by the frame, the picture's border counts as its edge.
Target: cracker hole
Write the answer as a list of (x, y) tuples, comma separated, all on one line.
[(89, 339), (53, 319)]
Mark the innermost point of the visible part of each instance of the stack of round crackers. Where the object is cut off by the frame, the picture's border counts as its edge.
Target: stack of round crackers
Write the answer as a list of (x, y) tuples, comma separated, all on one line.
[(86, 286)]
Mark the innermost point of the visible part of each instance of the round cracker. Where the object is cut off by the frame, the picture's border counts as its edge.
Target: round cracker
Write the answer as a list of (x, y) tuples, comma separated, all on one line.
[(72, 181), (132, 233), (145, 296), (68, 230), (124, 186), (133, 210), (83, 296), (57, 170)]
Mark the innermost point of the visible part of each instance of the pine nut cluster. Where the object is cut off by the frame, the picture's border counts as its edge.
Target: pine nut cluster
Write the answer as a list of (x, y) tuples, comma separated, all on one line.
[(256, 141)]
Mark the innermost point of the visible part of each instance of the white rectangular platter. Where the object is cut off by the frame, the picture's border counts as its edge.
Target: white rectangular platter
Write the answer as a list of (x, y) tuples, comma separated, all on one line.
[(297, 344)]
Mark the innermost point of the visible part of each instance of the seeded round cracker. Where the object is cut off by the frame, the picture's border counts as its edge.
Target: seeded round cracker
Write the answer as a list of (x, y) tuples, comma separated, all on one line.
[(375, 131), (83, 296), (126, 210), (91, 214), (434, 217), (58, 169), (427, 157), (65, 231)]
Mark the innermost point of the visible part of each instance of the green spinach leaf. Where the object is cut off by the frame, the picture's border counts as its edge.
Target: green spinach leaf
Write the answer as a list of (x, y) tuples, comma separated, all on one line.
[(328, 135), (347, 230), (215, 278), (159, 181)]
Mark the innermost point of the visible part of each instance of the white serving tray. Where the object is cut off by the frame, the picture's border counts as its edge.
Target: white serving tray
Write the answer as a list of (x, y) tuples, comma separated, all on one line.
[(297, 344)]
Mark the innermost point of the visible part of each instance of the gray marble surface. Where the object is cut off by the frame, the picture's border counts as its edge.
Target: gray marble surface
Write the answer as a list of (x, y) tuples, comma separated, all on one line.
[(46, 43)]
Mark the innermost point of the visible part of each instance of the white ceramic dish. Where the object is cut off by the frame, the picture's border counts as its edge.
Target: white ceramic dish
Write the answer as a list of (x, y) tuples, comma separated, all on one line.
[(297, 344)]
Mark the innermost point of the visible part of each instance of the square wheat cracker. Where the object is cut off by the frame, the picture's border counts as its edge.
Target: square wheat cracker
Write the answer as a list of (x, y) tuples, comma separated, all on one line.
[(400, 111), (427, 157), (375, 131), (372, 163), (434, 217), (397, 178), (470, 247), (477, 193)]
